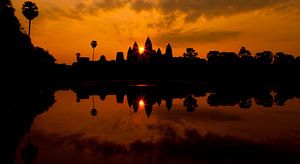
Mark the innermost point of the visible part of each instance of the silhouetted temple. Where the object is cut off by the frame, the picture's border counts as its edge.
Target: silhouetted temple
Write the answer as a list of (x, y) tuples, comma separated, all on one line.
[(133, 54), (149, 55)]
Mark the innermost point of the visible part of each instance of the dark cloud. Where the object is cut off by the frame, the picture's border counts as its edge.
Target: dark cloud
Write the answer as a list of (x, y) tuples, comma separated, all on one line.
[(192, 9), (214, 8), (79, 10), (108, 5), (140, 5), (197, 36), (291, 7), (55, 13)]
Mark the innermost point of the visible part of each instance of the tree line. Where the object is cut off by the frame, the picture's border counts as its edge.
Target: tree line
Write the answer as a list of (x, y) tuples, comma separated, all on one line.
[(191, 56)]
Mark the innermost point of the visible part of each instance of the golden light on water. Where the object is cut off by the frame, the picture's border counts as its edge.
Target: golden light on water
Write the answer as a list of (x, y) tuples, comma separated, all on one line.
[(141, 103)]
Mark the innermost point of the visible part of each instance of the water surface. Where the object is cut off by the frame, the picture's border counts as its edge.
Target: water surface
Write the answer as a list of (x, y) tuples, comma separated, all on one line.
[(107, 128)]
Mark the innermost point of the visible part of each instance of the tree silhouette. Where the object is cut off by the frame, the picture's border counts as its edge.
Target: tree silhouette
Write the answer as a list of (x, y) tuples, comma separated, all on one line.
[(282, 58), (190, 53), (30, 152), (9, 22), (12, 40), (16, 47), (229, 58), (213, 57), (30, 11), (246, 56), (94, 45), (297, 60), (244, 52), (265, 57)]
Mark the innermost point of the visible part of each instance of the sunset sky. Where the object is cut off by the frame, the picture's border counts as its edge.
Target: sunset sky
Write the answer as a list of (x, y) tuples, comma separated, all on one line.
[(67, 27)]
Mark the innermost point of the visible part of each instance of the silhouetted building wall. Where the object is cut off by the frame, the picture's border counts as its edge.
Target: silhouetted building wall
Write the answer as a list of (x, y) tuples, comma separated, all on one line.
[(82, 60), (120, 58)]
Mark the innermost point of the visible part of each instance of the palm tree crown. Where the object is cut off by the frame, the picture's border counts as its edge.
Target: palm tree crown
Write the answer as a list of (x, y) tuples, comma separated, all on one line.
[(30, 10), (94, 44)]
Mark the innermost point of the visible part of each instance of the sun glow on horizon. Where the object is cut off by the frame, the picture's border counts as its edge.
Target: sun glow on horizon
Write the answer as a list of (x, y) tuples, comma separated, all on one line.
[(141, 50), (203, 30)]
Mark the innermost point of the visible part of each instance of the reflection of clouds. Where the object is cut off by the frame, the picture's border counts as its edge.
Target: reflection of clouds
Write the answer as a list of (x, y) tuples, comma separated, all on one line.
[(125, 134), (165, 129), (203, 115), (191, 146)]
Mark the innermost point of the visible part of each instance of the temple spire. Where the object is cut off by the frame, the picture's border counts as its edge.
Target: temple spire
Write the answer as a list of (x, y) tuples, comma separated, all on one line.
[(148, 45)]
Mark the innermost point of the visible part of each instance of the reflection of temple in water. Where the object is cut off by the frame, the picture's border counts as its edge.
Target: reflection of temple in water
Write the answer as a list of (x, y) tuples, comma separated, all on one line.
[(152, 95)]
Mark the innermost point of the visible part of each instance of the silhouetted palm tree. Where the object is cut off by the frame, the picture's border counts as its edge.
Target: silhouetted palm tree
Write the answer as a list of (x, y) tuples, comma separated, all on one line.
[(94, 45), (30, 11)]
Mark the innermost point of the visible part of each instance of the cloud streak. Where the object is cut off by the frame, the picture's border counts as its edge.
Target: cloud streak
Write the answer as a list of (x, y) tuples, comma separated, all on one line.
[(192, 9), (198, 36)]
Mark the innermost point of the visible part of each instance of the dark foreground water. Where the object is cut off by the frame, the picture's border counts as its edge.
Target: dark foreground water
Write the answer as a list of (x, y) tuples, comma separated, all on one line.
[(111, 129)]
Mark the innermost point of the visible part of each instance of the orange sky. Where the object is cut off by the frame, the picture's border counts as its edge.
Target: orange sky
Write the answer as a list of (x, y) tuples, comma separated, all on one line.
[(67, 27)]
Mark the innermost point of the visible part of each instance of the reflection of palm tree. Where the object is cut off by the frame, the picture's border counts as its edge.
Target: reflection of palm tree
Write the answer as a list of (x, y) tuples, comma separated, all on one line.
[(191, 103), (30, 11), (94, 110), (30, 151), (94, 45)]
